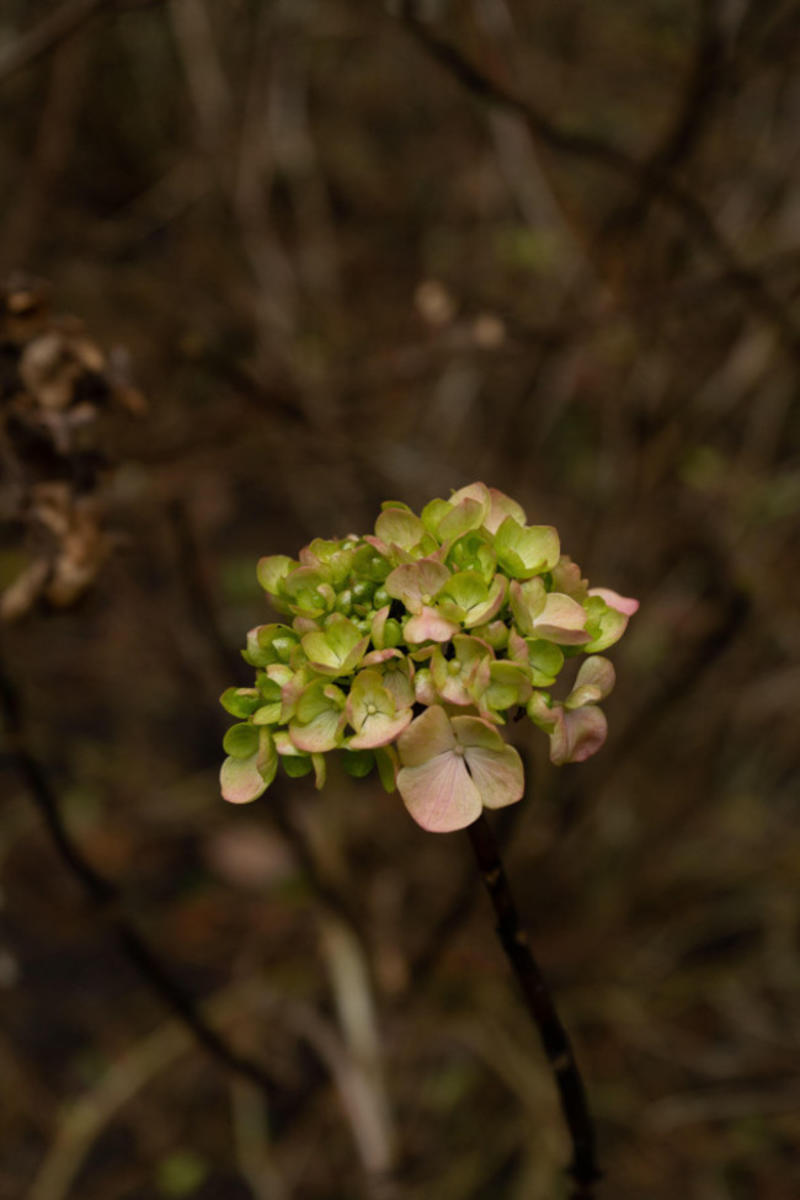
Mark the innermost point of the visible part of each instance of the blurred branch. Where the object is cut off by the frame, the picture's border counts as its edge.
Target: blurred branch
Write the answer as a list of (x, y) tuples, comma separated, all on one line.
[(356, 1060), (64, 22), (426, 958), (50, 151), (105, 900), (652, 175), (84, 1119), (59, 25), (555, 1042), (355, 1006), (689, 122), (214, 105), (250, 1126)]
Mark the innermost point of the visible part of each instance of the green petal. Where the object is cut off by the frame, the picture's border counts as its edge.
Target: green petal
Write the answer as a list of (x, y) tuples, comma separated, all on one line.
[(605, 624), (527, 599), (386, 758), (244, 779), (241, 741), (467, 590), (466, 515), (525, 551), (337, 650), (368, 695), (492, 604), (399, 527), (271, 570), (240, 702), (546, 660), (380, 729), (433, 514)]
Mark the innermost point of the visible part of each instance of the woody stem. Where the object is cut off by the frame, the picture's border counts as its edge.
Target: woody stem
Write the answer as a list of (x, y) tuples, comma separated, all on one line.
[(539, 1003)]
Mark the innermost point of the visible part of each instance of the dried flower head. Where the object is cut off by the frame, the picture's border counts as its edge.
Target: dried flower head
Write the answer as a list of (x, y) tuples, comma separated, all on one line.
[(410, 648)]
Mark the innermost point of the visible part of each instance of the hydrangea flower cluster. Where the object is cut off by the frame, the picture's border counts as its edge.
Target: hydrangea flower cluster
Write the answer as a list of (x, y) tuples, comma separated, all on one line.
[(409, 649)]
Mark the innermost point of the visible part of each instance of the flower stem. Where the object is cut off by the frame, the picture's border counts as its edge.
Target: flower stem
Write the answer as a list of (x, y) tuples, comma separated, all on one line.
[(542, 1010)]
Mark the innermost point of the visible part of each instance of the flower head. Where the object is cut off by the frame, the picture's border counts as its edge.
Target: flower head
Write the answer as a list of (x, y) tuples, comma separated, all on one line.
[(409, 649)]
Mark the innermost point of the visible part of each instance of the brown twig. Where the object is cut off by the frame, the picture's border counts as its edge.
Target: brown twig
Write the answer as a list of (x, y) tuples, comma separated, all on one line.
[(105, 901), (657, 178), (542, 1010), (54, 29)]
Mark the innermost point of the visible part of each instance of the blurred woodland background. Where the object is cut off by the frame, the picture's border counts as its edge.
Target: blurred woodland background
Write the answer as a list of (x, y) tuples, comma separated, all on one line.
[(330, 252)]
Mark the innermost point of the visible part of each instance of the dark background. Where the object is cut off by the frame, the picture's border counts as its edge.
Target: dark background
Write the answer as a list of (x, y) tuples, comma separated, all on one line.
[(348, 268)]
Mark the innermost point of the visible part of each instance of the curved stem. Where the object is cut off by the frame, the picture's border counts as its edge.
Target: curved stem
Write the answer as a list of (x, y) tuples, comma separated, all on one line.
[(542, 1010)]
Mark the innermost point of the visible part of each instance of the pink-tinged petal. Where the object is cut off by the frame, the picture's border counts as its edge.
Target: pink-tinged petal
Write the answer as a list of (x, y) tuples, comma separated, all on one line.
[(578, 736), (567, 578), (320, 734), (381, 547), (416, 583), (527, 599), (473, 491), (475, 732), (594, 682), (284, 744), (452, 688), (562, 620), (305, 625), (439, 794), (397, 681), (399, 527), (240, 780), (517, 648), (429, 626), (376, 657), (495, 600), (468, 509), (424, 688), (542, 714), (498, 775), (430, 734), (291, 692), (503, 506), (379, 730), (623, 604), (244, 779)]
